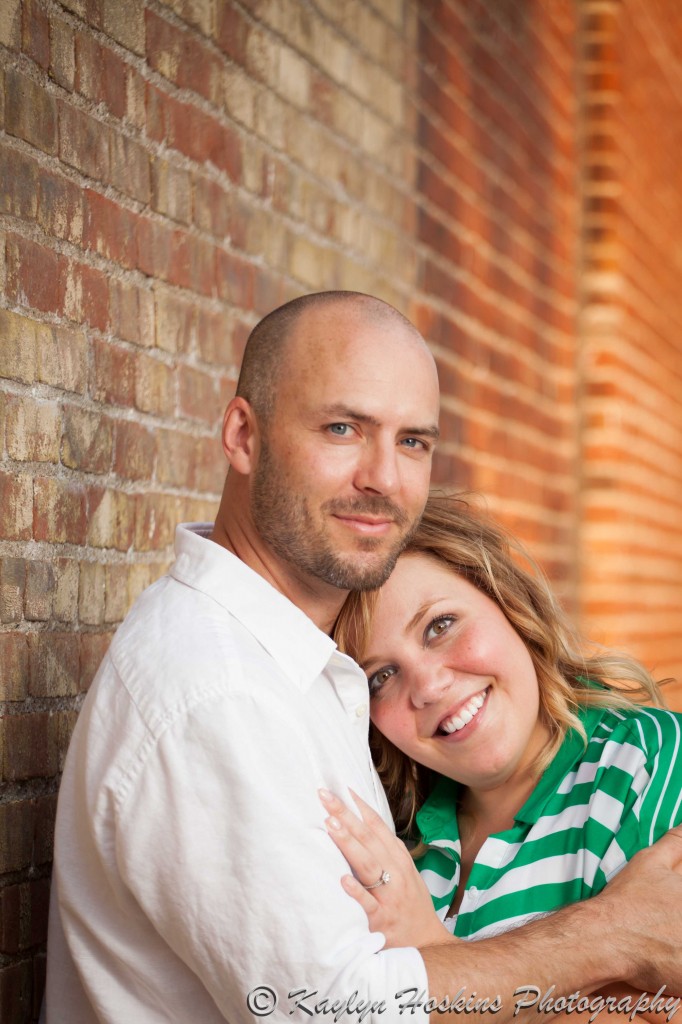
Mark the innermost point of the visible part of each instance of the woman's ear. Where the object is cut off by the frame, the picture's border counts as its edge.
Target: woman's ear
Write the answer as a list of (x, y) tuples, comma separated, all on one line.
[(241, 435)]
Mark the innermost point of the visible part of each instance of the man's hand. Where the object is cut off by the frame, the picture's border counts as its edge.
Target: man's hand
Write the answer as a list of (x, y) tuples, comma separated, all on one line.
[(644, 903)]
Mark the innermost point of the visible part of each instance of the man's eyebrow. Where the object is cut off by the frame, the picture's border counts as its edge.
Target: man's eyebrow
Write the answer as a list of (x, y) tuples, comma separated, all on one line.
[(347, 413)]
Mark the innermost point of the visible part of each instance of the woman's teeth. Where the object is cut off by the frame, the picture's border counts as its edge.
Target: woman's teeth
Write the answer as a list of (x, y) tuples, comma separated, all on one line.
[(464, 715)]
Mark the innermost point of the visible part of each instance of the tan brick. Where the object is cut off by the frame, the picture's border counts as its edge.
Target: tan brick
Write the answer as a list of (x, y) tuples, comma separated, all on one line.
[(154, 386), (18, 352), (12, 585), (176, 459), (66, 723), (139, 578), (88, 440), (171, 190), (30, 112), (59, 511), (199, 396), (111, 519), (91, 593), (115, 592), (10, 24), (54, 660), (175, 321), (65, 603), (39, 591), (155, 521), (16, 500), (62, 357), (197, 12), (33, 429), (132, 313), (128, 158), (13, 666), (123, 20), (62, 56)]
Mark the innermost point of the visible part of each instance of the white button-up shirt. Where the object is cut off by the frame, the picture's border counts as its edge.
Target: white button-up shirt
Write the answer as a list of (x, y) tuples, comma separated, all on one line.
[(192, 866)]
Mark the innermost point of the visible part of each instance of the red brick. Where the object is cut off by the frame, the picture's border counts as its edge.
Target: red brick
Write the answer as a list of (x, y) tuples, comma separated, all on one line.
[(232, 30), (109, 229), (10, 918), (190, 130), (54, 660), (87, 296), (192, 263), (59, 514), (12, 583), (30, 112), (182, 58), (87, 441), (114, 374), (30, 749), (212, 208), (36, 276), (16, 495), (235, 279), (135, 451), (214, 334), (154, 244), (83, 142), (13, 662), (93, 648), (35, 33), (199, 396), (39, 591)]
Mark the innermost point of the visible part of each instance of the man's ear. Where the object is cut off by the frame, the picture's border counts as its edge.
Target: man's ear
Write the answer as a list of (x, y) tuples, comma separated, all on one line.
[(241, 436)]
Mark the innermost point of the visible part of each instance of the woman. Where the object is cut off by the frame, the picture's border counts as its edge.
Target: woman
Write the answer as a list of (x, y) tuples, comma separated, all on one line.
[(519, 761)]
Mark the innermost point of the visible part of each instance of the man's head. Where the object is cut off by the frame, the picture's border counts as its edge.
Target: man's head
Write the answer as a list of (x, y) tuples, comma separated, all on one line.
[(330, 437)]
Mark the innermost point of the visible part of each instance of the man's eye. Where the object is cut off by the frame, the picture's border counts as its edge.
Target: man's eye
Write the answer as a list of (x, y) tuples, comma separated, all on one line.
[(438, 626), (340, 429), (378, 678), (415, 443)]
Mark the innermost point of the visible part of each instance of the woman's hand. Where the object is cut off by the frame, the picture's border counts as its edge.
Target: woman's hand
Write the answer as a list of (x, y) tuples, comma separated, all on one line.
[(400, 908)]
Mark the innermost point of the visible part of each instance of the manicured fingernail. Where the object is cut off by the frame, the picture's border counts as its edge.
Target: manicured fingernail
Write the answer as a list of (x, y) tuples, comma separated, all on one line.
[(325, 796), (333, 823)]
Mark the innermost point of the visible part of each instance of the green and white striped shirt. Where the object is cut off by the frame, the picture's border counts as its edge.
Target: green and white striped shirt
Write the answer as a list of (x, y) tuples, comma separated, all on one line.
[(590, 812)]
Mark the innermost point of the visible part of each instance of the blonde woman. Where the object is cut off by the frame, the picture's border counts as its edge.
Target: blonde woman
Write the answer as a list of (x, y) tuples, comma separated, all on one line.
[(522, 764)]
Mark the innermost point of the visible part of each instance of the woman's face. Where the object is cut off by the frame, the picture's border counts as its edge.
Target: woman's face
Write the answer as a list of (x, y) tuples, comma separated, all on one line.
[(452, 684)]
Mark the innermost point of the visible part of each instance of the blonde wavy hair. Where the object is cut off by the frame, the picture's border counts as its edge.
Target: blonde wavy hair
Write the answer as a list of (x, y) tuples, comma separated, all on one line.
[(479, 550)]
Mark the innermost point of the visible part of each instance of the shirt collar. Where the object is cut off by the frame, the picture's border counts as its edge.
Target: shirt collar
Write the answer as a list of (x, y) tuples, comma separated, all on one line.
[(300, 649)]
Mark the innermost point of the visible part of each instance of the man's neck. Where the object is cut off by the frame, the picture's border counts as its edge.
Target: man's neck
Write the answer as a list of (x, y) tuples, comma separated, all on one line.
[(320, 601)]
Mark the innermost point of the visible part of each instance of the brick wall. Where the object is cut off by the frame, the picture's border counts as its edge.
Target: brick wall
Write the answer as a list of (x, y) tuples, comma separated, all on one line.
[(631, 485), (170, 170)]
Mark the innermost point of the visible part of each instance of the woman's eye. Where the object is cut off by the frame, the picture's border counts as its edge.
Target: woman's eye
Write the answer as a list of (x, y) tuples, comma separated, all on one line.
[(378, 678), (438, 626)]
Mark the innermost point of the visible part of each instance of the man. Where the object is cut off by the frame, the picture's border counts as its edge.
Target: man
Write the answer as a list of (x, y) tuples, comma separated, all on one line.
[(194, 879)]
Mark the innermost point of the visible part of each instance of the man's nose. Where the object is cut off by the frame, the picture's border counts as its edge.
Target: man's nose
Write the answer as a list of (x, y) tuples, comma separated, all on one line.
[(378, 471)]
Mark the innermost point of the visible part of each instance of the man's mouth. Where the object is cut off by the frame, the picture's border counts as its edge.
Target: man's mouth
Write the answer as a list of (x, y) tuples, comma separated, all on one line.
[(366, 524), (464, 714)]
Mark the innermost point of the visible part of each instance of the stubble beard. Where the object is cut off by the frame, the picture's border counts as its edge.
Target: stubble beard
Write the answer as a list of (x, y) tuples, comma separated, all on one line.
[(282, 518)]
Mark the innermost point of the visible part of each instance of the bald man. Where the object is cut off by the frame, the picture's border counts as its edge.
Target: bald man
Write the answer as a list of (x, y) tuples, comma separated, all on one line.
[(194, 879)]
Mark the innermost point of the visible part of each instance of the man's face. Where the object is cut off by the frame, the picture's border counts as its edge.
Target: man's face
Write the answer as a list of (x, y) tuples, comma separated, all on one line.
[(345, 460)]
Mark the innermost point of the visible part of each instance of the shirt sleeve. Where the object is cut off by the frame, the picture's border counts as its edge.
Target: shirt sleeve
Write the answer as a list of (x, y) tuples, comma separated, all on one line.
[(222, 843), (653, 802)]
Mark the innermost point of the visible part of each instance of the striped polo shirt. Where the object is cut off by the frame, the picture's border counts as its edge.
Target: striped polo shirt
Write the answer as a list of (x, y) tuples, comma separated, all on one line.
[(593, 808)]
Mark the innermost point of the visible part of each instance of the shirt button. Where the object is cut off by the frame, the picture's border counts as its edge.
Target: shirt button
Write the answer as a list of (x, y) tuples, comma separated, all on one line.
[(361, 710), (473, 891)]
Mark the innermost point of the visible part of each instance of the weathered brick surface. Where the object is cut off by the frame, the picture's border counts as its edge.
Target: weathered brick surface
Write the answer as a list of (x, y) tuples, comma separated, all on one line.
[(170, 172)]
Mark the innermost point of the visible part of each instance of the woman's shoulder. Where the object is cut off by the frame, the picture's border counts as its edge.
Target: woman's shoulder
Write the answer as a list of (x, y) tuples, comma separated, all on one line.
[(649, 729)]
